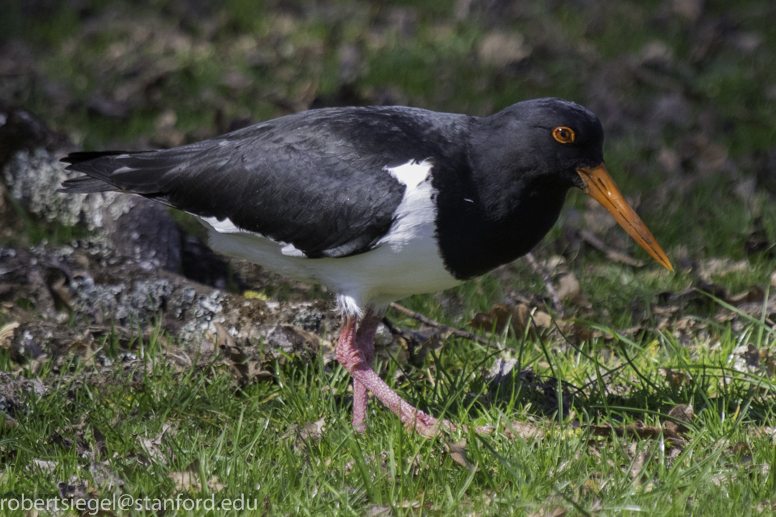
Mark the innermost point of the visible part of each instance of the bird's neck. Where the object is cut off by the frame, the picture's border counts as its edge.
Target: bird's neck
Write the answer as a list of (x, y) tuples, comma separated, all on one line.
[(486, 219)]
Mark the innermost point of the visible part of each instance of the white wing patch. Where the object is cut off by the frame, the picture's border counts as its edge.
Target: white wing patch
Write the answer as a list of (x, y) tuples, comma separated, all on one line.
[(416, 213), (411, 173)]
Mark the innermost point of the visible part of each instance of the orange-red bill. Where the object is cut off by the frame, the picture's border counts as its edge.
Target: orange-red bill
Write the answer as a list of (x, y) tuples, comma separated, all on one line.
[(601, 187)]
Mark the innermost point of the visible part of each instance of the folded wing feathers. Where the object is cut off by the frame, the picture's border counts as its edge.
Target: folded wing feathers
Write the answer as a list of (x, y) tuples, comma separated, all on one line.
[(316, 180), (139, 172)]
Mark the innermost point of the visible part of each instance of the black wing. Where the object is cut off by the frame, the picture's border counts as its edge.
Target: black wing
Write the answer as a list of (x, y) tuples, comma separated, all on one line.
[(316, 179)]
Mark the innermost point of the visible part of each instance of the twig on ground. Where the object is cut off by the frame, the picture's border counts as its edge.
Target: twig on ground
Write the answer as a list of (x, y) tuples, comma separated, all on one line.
[(556, 303), (612, 254), (444, 328)]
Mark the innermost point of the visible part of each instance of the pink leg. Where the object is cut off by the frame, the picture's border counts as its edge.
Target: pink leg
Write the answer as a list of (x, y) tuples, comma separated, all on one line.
[(365, 336), (352, 358)]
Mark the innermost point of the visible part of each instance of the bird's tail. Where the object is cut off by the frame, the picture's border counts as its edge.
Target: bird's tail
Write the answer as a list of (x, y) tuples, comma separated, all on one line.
[(97, 167)]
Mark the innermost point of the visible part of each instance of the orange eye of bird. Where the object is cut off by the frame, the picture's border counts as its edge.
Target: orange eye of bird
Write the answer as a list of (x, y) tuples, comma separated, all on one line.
[(563, 134)]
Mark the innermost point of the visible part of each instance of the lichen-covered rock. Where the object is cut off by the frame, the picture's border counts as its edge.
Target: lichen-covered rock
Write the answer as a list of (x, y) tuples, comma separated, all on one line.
[(308, 319), (94, 300), (203, 311), (99, 288), (136, 227), (13, 392), (145, 300), (33, 178)]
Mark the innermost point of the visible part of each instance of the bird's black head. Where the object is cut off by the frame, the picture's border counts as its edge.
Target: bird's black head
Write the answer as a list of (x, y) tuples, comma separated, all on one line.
[(540, 139), (526, 157)]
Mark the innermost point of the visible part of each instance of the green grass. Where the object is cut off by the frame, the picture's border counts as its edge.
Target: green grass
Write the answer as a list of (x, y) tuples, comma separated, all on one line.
[(243, 437)]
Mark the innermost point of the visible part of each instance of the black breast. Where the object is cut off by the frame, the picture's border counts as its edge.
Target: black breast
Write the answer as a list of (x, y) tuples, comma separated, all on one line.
[(473, 240)]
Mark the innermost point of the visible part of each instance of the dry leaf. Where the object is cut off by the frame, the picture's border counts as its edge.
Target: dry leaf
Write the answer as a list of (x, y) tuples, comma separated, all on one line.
[(496, 319), (292, 340), (768, 360), (525, 431), (409, 504), (6, 334), (683, 413), (568, 287), (542, 320), (223, 337), (740, 448), (104, 476), (84, 348), (45, 465), (690, 10), (215, 485), (521, 319), (309, 432), (720, 267), (457, 452), (637, 428), (555, 512), (501, 370), (377, 510), (313, 430), (748, 357), (754, 294), (761, 469), (638, 464), (656, 53), (243, 368), (416, 464), (372, 460), (501, 315), (60, 288), (576, 331), (187, 481), (152, 446), (676, 379)]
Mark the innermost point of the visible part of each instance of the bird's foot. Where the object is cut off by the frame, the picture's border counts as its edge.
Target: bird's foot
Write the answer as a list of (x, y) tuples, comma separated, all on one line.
[(355, 351), (423, 423)]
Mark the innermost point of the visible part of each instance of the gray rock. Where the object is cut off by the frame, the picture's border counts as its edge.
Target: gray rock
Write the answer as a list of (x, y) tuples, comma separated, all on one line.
[(308, 319), (143, 302), (33, 180), (135, 227)]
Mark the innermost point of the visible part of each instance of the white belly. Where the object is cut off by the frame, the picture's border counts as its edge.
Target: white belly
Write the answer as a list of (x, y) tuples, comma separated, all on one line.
[(378, 277)]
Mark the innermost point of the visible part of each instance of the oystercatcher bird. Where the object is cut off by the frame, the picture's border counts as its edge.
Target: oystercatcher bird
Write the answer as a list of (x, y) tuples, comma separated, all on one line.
[(378, 203)]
